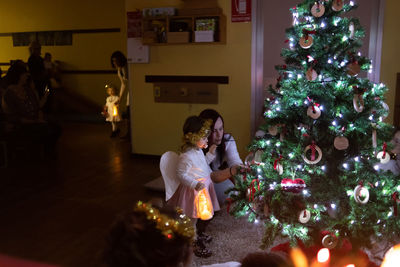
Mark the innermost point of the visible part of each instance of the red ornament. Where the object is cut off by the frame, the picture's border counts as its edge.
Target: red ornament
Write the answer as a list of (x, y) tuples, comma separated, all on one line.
[(293, 186)]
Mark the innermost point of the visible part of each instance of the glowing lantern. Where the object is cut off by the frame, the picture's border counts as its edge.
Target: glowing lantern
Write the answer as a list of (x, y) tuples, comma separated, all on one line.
[(323, 255), (392, 257), (115, 111), (204, 205), (298, 258)]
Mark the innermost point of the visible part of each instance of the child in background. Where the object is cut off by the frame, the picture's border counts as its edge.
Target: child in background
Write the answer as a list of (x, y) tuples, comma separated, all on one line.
[(195, 193), (111, 109)]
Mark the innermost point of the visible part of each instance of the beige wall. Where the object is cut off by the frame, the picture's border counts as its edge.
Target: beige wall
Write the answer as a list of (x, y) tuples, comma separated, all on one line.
[(88, 51), (390, 65), (157, 127)]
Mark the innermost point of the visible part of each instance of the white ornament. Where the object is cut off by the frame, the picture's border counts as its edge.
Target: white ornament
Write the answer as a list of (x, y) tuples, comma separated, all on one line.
[(352, 30), (358, 102), (314, 113), (279, 169), (311, 74), (384, 157), (318, 10), (329, 241), (361, 194), (306, 41), (337, 5), (304, 216), (341, 143), (273, 130), (318, 159), (260, 133)]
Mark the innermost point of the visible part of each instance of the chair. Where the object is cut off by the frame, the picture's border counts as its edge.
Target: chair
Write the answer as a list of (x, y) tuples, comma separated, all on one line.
[(168, 165)]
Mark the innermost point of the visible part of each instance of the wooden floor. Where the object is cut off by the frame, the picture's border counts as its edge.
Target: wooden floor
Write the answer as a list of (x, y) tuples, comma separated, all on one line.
[(58, 211)]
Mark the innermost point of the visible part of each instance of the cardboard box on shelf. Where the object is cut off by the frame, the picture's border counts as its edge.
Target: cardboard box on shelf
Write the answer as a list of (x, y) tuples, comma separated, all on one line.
[(178, 37), (204, 36)]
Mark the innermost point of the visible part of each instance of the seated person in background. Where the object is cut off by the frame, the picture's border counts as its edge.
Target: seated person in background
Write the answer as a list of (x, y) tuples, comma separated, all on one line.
[(226, 153), (22, 107), (142, 238)]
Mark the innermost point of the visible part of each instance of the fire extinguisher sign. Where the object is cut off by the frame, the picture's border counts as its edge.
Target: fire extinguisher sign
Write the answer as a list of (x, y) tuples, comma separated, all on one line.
[(241, 10)]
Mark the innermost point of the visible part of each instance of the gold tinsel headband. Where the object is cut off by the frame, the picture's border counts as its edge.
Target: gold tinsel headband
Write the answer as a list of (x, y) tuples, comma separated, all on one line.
[(168, 226), (193, 138)]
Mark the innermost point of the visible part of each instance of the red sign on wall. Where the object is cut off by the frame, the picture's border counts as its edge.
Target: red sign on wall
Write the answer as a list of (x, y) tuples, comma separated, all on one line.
[(241, 10), (134, 19)]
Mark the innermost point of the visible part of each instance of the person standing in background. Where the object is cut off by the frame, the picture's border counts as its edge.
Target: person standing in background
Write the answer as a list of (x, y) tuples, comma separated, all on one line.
[(119, 62), (36, 68)]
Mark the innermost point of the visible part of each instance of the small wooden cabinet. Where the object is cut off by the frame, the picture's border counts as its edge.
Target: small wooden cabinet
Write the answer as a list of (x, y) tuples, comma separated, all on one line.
[(194, 29)]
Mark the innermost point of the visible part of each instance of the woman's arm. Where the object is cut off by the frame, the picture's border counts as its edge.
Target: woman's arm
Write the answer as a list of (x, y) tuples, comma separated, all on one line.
[(231, 153), (122, 74), (222, 175)]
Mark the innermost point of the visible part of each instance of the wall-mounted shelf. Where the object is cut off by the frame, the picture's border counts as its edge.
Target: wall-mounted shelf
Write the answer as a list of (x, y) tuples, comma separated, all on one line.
[(195, 29)]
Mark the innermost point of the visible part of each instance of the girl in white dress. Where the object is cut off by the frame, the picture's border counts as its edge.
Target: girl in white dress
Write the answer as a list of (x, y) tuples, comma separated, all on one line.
[(195, 193), (111, 109)]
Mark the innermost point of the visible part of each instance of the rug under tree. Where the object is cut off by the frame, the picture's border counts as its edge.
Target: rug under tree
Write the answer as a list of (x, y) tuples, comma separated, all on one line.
[(234, 238)]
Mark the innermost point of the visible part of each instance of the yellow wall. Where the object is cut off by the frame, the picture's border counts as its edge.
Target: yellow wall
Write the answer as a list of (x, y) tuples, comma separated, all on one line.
[(157, 127), (88, 51), (390, 65)]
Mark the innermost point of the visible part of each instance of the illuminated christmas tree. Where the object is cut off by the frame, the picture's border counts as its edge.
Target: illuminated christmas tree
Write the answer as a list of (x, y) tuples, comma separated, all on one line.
[(314, 166)]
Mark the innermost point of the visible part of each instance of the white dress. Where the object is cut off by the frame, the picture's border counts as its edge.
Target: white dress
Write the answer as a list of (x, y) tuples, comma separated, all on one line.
[(112, 109), (232, 158), (192, 167)]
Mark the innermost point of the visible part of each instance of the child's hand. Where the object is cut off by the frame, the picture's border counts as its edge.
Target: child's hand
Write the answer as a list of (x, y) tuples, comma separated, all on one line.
[(212, 148), (199, 186)]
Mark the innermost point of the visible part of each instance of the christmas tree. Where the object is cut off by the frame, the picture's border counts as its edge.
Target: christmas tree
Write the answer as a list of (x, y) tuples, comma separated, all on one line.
[(314, 166)]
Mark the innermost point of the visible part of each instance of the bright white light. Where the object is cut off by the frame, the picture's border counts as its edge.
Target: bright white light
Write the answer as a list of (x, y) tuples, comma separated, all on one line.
[(342, 64), (371, 118), (323, 24), (340, 115), (352, 222), (351, 3), (278, 144), (378, 221), (305, 192), (390, 213), (299, 166), (334, 123), (376, 184), (291, 39), (376, 167), (357, 159), (291, 45), (268, 142), (323, 168), (291, 155), (330, 61), (320, 77), (305, 102), (299, 76), (345, 38), (359, 54), (290, 75), (351, 125), (345, 165), (380, 119), (256, 221), (315, 206), (370, 71), (321, 108), (258, 169), (333, 206), (304, 62), (278, 109)]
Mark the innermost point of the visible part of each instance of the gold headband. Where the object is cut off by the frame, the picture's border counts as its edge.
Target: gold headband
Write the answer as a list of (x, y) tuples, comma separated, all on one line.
[(193, 138), (168, 226)]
